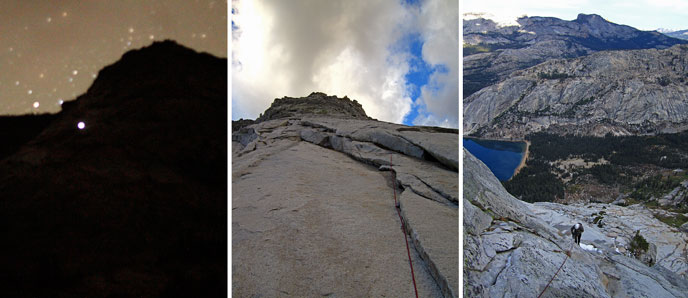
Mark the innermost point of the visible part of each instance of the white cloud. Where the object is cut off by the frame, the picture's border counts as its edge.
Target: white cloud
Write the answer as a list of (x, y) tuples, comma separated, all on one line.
[(292, 48), (506, 12), (439, 99)]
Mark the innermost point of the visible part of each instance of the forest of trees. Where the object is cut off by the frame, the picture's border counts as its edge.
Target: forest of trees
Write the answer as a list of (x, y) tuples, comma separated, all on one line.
[(538, 181)]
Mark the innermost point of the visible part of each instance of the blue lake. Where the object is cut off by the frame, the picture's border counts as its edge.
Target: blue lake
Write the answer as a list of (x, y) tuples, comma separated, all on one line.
[(501, 157)]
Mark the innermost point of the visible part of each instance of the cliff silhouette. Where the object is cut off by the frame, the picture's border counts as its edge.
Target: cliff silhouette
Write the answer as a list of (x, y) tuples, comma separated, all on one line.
[(134, 204)]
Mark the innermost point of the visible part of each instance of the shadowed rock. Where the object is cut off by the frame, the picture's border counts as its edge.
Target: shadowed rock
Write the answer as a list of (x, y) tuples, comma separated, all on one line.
[(135, 203)]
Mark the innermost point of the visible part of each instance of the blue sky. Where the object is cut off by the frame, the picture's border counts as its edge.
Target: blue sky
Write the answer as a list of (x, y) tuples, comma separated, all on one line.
[(418, 75), (398, 59), (641, 14)]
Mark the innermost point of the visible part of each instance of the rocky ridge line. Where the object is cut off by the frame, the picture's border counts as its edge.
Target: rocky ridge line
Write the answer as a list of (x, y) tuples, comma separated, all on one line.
[(619, 92), (492, 52)]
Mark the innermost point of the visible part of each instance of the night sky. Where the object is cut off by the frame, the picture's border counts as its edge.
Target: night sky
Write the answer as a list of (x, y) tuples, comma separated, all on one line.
[(51, 51)]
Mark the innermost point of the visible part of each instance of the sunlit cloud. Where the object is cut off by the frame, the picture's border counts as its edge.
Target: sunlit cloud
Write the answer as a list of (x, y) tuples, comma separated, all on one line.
[(292, 48)]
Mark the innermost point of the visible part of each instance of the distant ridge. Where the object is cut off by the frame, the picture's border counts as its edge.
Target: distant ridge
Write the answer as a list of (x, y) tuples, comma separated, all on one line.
[(493, 52)]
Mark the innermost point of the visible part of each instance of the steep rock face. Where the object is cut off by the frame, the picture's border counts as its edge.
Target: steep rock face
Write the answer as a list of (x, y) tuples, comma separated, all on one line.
[(492, 52), (619, 92), (513, 249), (337, 193), (135, 203)]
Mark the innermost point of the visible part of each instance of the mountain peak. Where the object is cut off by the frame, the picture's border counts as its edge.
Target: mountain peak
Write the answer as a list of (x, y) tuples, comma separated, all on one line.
[(589, 17), (316, 103)]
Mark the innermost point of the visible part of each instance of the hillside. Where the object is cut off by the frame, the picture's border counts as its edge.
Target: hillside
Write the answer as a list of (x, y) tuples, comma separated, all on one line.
[(135, 203), (493, 52), (617, 92)]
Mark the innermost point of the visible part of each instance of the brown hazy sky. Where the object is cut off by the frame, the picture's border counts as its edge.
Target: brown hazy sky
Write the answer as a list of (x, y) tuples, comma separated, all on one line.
[(52, 50)]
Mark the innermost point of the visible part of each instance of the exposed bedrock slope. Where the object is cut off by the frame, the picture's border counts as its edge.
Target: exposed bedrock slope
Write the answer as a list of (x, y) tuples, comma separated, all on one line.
[(513, 248), (313, 197)]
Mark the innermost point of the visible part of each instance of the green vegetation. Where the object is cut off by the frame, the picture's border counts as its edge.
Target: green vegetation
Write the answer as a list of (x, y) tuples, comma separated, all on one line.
[(664, 81), (656, 186), (553, 75), (674, 221), (638, 245), (639, 166), (598, 219), (469, 49), (535, 183)]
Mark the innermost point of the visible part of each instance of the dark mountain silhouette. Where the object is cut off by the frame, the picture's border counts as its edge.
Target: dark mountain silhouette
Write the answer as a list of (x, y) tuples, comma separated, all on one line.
[(18, 130), (133, 205)]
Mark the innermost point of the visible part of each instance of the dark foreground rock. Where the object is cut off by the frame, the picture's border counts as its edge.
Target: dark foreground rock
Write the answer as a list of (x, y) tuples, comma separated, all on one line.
[(134, 205)]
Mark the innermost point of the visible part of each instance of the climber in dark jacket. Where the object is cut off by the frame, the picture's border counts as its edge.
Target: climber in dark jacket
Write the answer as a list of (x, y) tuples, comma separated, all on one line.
[(576, 232)]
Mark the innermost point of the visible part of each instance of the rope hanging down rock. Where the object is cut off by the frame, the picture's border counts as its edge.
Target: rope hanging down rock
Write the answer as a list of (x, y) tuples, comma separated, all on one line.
[(568, 253), (403, 227)]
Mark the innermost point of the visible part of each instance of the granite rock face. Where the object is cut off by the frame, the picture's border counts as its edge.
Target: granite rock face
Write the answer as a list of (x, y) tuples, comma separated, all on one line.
[(314, 213), (513, 248), (492, 52), (618, 92)]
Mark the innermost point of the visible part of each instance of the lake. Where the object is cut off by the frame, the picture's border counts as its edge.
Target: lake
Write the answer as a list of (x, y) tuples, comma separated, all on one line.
[(502, 157)]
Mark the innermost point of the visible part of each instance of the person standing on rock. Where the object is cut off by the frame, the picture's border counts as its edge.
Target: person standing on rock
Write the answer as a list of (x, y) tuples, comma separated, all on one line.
[(576, 232)]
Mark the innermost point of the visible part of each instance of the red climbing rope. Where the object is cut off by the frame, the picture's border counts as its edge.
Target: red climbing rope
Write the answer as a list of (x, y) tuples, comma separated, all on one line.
[(403, 227), (555, 274)]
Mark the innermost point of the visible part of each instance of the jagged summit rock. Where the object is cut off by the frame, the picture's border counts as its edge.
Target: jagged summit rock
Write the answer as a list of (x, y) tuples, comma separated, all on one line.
[(317, 103), (313, 198), (133, 204)]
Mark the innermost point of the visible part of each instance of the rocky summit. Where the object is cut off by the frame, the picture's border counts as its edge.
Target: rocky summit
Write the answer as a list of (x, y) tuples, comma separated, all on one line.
[(617, 92), (314, 184), (514, 249), (132, 202), (492, 52)]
